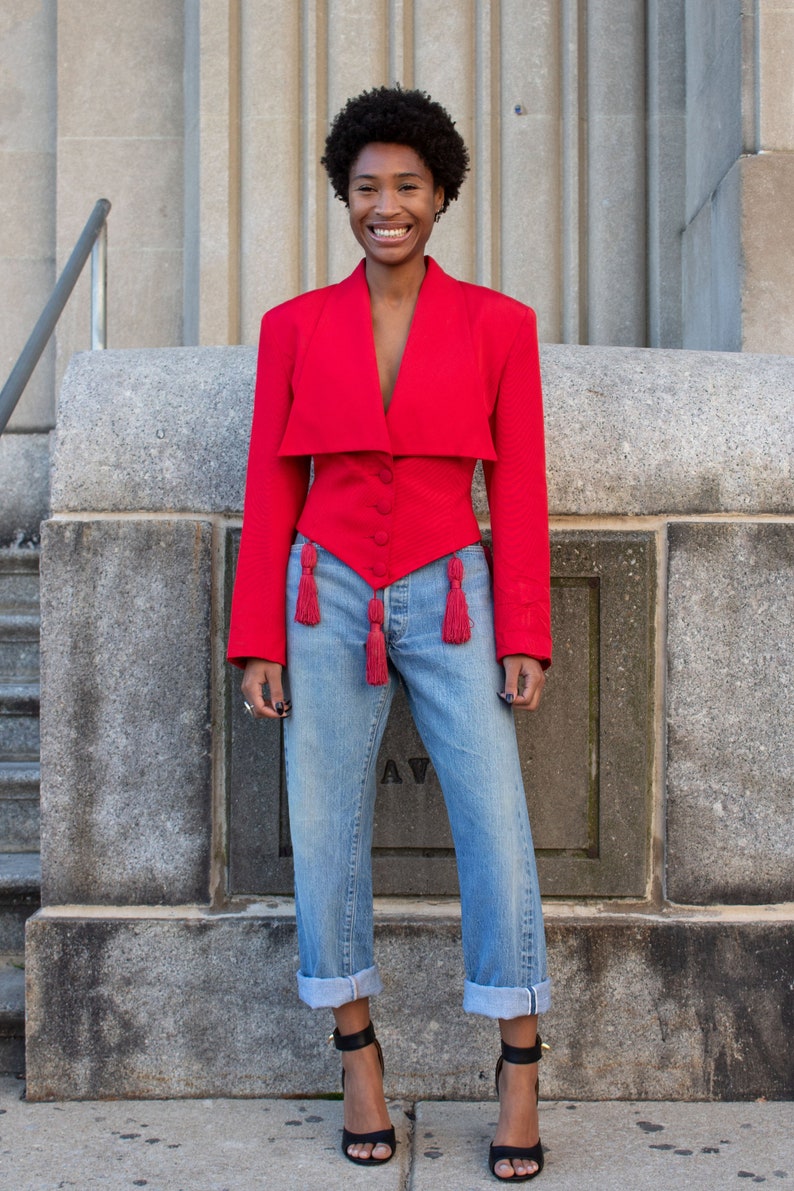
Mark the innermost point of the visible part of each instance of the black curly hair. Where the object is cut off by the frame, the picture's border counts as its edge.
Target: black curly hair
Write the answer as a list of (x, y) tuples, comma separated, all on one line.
[(394, 116)]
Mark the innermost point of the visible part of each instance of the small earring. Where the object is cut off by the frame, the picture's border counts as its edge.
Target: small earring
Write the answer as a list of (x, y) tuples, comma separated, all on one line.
[(437, 216)]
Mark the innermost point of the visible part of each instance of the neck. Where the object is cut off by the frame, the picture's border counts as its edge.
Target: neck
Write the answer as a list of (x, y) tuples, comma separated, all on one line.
[(395, 284)]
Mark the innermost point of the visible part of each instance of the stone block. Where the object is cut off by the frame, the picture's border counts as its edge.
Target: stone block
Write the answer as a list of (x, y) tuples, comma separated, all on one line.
[(196, 1004), (714, 92), (141, 96), (586, 755), (24, 482), (126, 661), (27, 70), (730, 814), (727, 266), (767, 232), (168, 430), (664, 431), (776, 51), (633, 431), (696, 280), (27, 229), (141, 177)]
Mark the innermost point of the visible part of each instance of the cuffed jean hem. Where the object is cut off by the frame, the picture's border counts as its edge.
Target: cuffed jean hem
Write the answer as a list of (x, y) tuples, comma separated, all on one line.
[(506, 1002), (330, 993)]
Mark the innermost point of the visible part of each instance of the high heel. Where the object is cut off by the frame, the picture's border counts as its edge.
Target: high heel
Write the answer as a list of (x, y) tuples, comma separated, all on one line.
[(517, 1054), (365, 1037)]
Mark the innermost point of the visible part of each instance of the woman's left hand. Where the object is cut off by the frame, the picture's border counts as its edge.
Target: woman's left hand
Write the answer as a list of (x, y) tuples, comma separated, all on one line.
[(517, 665)]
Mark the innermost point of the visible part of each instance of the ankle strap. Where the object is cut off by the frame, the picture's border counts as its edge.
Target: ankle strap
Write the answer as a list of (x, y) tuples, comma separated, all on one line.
[(363, 1038), (522, 1054)]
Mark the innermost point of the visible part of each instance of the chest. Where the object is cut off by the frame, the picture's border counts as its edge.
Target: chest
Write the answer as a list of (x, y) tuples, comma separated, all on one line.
[(390, 330)]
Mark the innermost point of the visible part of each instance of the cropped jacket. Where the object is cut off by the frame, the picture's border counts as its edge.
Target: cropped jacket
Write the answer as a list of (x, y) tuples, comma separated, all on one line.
[(392, 488)]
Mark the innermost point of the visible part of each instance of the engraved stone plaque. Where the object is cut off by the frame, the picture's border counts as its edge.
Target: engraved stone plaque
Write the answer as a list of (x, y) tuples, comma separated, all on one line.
[(586, 754)]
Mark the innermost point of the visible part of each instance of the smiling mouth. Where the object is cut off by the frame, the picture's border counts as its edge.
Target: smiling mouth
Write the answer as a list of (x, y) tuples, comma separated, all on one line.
[(389, 233)]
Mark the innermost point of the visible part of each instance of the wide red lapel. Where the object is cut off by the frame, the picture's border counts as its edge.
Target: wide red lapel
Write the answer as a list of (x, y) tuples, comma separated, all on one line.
[(439, 405), (336, 394)]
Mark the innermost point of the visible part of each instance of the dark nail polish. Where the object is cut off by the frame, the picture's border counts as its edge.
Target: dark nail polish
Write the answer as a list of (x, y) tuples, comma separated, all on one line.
[(280, 708), (509, 698)]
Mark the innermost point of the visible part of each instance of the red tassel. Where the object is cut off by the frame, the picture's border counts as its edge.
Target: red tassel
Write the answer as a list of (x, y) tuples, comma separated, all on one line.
[(307, 605), (377, 670), (456, 628)]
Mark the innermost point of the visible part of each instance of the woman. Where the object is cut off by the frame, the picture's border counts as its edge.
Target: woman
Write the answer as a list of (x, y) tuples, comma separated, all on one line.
[(395, 382)]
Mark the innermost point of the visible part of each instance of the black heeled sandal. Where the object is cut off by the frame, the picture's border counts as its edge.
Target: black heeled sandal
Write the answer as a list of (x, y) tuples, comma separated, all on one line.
[(517, 1054), (386, 1137)]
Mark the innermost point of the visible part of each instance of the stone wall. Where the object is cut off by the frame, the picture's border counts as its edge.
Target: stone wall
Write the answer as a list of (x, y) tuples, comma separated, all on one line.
[(149, 973), (632, 169)]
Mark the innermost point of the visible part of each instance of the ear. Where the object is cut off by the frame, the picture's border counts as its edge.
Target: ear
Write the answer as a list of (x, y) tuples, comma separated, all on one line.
[(438, 197)]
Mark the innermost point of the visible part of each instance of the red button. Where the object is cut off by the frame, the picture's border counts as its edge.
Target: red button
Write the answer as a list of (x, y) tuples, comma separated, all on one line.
[(379, 569), (381, 537), (383, 506), (385, 475)]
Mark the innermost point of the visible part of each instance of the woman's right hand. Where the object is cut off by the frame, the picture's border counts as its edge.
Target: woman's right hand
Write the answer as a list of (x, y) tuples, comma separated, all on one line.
[(257, 673)]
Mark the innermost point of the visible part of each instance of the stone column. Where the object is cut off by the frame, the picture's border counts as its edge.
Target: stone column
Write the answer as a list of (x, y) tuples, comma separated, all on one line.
[(738, 284), (120, 136), (27, 252)]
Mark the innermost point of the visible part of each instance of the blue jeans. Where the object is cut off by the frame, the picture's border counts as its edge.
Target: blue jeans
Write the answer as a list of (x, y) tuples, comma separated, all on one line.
[(331, 743)]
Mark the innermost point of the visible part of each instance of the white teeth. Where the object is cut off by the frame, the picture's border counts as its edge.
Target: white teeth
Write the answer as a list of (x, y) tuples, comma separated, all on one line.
[(390, 233)]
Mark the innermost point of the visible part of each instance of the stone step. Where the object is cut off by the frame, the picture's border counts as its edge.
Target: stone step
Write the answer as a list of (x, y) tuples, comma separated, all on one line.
[(19, 573), (20, 877), (19, 806), (20, 896), (19, 624), (12, 1014), (19, 644), (19, 720), (19, 780), (19, 697), (19, 615)]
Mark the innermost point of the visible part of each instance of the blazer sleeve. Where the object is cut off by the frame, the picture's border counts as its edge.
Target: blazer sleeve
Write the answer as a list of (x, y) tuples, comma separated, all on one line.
[(516, 487), (275, 492)]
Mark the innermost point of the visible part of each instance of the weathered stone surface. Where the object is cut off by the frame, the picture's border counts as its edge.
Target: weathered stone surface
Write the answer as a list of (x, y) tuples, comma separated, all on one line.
[(633, 430), (630, 431), (713, 90), (168, 430), (730, 821), (768, 248), (615, 1144), (645, 1006), (19, 820), (126, 641), (24, 483)]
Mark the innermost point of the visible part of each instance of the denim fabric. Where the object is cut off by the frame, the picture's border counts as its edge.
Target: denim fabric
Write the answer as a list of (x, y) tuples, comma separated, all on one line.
[(332, 741)]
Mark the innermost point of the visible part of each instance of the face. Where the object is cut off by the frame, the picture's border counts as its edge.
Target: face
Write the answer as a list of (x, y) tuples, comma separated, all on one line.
[(393, 202)]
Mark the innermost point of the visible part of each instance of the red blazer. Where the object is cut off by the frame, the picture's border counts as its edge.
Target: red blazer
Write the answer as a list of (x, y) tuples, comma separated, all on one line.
[(392, 489)]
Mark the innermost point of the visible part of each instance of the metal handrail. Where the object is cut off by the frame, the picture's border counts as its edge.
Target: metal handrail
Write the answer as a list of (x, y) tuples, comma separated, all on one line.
[(93, 242)]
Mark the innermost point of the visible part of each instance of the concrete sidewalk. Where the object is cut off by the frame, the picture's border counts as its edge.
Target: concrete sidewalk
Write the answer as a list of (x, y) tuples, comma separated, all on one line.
[(293, 1145)]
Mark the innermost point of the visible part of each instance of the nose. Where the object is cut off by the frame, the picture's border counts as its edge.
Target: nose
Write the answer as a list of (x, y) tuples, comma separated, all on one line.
[(388, 203)]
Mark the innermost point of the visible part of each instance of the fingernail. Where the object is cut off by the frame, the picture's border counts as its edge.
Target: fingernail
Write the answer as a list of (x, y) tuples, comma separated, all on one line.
[(280, 708), (509, 698)]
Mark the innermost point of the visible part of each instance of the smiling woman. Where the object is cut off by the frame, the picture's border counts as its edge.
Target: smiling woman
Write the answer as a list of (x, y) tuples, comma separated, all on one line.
[(394, 382)]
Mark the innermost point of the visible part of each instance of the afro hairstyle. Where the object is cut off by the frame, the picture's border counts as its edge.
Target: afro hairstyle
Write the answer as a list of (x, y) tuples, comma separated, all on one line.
[(391, 115)]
